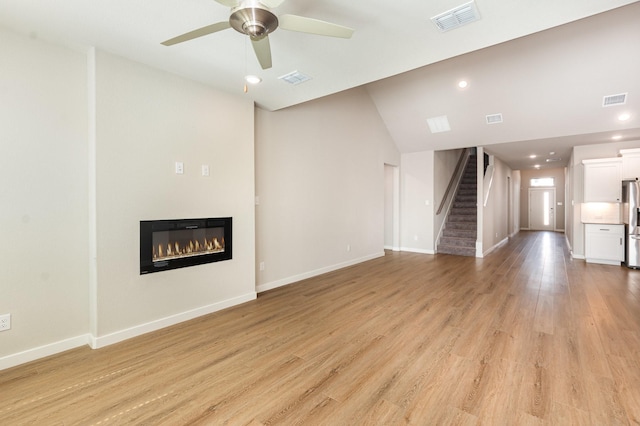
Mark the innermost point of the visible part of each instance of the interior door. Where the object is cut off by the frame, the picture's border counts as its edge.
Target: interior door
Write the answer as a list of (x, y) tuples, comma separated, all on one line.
[(541, 209)]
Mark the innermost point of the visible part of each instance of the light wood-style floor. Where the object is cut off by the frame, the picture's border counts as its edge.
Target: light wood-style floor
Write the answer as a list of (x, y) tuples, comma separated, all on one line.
[(524, 336)]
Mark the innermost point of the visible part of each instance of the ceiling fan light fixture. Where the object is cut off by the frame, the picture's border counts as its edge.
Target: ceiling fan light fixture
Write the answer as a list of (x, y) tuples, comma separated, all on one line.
[(252, 79)]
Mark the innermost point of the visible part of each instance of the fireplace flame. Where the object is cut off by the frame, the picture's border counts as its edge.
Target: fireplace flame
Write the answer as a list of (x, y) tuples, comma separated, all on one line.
[(174, 250)]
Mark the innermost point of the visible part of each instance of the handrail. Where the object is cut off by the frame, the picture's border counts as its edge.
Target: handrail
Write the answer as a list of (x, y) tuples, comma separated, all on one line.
[(463, 154), (488, 181)]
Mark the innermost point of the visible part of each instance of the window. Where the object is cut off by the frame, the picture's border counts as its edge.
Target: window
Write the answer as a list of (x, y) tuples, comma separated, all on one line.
[(548, 181)]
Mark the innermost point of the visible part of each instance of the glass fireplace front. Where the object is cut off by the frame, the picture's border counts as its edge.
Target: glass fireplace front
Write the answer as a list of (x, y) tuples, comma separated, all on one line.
[(171, 244)]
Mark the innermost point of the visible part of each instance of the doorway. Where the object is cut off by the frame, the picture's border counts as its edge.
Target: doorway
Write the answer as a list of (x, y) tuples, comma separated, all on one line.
[(541, 209)]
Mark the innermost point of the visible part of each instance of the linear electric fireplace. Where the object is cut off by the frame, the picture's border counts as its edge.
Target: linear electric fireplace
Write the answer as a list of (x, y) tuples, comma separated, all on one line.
[(171, 244)]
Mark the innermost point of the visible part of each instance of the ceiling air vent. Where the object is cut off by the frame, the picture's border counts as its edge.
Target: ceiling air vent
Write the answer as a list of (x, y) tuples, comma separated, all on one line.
[(456, 17), (553, 160), (494, 118), (612, 100), (295, 78)]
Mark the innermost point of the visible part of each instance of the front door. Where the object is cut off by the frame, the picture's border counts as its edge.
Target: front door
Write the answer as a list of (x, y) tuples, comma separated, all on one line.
[(541, 212)]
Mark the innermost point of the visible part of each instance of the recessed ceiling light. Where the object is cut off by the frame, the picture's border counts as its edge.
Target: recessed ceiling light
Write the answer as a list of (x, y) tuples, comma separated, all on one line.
[(252, 79), (616, 137), (537, 166), (552, 153), (532, 156), (462, 84), (624, 117)]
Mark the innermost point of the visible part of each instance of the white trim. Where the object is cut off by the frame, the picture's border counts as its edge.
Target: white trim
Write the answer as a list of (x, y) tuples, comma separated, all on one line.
[(416, 250), (290, 280), (119, 336), (501, 243), (479, 252), (44, 351), (525, 229), (604, 261), (392, 248)]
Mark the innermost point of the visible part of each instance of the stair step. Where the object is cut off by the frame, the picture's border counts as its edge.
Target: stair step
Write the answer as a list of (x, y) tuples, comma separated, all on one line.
[(459, 233), (459, 251), (458, 242), (471, 211), (472, 218), (464, 204), (466, 197), (462, 225)]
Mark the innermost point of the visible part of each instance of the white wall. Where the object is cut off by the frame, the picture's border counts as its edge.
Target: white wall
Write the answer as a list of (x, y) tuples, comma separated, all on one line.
[(146, 121), (495, 214), (43, 193), (320, 183), (89, 143), (417, 200)]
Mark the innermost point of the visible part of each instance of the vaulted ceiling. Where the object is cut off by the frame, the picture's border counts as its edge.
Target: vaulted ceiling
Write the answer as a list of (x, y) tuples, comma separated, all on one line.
[(544, 65)]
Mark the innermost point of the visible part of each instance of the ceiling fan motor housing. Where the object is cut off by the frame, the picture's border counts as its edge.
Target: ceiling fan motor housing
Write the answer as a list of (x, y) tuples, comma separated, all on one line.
[(254, 21)]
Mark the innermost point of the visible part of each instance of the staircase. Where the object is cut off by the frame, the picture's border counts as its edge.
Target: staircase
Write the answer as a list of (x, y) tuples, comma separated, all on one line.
[(459, 234)]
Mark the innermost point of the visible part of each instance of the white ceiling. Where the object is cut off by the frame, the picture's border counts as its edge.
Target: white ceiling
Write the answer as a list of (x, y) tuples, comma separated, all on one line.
[(547, 84)]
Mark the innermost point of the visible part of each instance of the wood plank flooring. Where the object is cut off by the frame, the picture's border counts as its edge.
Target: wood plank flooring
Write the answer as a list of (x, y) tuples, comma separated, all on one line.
[(524, 336)]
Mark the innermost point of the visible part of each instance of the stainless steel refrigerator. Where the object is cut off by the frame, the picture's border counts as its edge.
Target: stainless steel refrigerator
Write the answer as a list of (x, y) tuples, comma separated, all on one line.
[(631, 220)]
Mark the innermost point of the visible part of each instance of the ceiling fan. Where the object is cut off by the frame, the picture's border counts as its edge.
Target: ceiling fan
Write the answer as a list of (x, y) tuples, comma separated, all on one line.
[(255, 19)]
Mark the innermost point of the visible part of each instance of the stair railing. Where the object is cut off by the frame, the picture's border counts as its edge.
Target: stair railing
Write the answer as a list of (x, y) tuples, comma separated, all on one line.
[(455, 177)]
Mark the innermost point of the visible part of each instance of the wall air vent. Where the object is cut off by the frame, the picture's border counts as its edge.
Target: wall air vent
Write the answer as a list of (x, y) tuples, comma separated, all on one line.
[(612, 100), (494, 118), (456, 17), (295, 78)]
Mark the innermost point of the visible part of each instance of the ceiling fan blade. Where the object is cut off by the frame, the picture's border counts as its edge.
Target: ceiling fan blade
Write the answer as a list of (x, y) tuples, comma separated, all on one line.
[(313, 26), (262, 48), (229, 3), (271, 3), (209, 29)]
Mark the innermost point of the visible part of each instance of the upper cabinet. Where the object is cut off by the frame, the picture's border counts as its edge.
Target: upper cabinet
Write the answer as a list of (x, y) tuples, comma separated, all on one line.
[(603, 180), (630, 163)]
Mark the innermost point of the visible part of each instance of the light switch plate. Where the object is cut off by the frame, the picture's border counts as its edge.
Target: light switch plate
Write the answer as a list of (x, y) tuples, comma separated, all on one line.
[(205, 170), (179, 167)]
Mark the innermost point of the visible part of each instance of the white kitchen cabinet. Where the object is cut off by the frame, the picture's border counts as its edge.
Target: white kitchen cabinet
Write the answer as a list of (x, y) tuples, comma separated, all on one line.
[(604, 243), (603, 180), (630, 163)]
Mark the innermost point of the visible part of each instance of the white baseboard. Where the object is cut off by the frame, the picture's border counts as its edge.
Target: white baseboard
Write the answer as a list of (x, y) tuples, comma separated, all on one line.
[(109, 339), (392, 248), (44, 351), (501, 243), (119, 336), (310, 274), (415, 250)]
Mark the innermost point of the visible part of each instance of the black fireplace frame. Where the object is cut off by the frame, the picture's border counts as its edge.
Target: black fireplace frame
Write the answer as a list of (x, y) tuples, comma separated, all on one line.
[(148, 227)]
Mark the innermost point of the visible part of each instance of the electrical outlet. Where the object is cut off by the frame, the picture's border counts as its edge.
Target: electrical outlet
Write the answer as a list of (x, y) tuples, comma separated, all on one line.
[(262, 266), (5, 322)]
